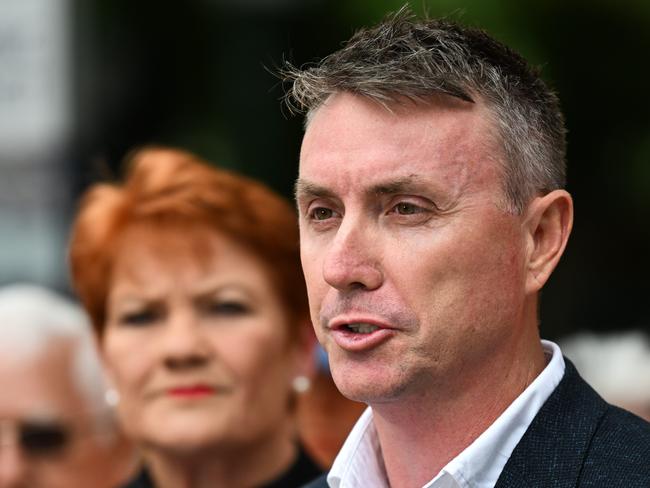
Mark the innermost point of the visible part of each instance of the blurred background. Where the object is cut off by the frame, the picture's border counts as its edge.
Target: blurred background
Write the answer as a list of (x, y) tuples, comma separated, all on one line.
[(82, 82)]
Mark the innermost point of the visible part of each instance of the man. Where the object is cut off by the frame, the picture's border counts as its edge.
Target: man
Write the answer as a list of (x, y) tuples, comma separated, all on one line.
[(56, 430), (431, 215)]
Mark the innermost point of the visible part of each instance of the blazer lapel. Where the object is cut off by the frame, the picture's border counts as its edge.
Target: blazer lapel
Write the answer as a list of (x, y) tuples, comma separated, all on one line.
[(552, 451)]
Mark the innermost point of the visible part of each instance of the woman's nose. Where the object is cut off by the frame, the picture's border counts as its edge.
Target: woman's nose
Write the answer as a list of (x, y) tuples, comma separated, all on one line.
[(184, 343)]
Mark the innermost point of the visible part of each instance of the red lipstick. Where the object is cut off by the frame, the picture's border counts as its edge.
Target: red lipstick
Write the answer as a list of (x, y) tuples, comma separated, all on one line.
[(193, 391)]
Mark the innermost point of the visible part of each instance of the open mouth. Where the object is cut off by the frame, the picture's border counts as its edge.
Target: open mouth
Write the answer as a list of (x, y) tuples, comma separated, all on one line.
[(357, 332), (360, 328), (360, 336)]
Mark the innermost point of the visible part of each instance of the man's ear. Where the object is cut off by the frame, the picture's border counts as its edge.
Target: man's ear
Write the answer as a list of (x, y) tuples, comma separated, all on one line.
[(548, 225)]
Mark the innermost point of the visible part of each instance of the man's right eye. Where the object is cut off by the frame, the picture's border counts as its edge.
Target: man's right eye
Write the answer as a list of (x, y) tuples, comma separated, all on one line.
[(321, 213)]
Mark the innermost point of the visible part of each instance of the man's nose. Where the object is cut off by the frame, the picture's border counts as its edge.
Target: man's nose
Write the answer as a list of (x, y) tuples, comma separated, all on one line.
[(184, 343), (13, 466), (352, 260)]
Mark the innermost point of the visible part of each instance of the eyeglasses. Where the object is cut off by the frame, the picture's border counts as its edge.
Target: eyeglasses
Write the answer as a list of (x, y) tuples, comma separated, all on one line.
[(36, 438)]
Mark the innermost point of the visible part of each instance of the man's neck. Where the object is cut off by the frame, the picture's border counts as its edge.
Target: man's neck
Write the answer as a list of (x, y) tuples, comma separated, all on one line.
[(420, 434)]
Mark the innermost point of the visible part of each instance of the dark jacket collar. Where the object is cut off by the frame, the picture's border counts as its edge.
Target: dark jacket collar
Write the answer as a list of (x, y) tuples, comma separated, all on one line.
[(553, 449)]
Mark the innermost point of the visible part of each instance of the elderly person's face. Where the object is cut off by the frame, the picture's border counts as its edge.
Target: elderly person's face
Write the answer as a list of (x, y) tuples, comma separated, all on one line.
[(197, 342), (48, 438), (413, 269)]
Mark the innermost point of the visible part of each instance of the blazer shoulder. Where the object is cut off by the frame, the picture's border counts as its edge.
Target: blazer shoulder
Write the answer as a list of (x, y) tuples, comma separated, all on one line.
[(624, 430), (619, 451)]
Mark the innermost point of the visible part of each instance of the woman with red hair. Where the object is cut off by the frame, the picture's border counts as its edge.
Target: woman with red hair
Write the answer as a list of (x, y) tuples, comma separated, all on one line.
[(191, 276)]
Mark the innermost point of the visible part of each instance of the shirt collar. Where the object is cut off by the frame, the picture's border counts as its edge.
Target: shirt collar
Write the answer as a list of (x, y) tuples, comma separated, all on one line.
[(359, 463)]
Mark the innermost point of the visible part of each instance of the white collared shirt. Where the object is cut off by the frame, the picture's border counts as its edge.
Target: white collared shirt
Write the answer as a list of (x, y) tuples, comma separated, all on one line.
[(359, 463)]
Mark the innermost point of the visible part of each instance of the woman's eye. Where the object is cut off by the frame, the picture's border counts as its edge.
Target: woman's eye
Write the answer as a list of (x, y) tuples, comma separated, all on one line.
[(229, 308), (144, 317), (322, 213)]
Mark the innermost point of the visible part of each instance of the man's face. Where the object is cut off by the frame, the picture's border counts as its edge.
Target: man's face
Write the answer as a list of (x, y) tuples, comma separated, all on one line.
[(47, 438), (415, 273)]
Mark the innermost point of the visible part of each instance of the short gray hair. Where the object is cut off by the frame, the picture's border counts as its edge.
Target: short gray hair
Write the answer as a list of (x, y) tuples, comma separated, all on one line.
[(32, 318), (405, 58)]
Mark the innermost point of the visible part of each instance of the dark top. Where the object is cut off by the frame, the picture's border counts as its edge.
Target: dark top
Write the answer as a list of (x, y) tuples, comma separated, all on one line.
[(300, 472), (576, 440)]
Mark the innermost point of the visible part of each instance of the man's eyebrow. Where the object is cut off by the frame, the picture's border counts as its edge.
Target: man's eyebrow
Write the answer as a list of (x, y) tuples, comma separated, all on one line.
[(408, 183), (304, 188), (400, 185)]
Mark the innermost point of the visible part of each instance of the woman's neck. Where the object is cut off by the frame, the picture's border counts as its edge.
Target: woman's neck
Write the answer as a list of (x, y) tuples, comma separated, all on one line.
[(231, 466)]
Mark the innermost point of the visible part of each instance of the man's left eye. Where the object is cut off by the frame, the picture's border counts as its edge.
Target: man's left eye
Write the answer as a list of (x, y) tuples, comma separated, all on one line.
[(405, 208)]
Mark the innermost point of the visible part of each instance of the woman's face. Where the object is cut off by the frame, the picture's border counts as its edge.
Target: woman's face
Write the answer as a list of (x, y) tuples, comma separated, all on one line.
[(196, 342)]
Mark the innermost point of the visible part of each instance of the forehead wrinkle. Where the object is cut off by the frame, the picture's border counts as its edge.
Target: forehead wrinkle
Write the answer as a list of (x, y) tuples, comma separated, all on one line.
[(199, 287), (129, 286)]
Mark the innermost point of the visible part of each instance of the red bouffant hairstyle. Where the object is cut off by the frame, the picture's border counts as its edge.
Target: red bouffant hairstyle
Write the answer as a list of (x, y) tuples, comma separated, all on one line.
[(173, 187)]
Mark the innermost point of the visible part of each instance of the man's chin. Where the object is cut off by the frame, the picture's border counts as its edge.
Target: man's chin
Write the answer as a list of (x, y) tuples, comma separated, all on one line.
[(369, 388)]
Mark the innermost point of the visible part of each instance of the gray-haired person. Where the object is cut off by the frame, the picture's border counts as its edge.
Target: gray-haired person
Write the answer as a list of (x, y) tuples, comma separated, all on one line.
[(432, 212), (56, 428)]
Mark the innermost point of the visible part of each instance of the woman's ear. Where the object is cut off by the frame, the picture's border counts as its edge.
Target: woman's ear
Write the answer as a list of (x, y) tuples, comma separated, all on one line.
[(548, 225), (111, 394), (304, 351)]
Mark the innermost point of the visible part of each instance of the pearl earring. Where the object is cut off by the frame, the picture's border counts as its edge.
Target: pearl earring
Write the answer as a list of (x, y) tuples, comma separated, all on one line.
[(111, 397), (301, 384)]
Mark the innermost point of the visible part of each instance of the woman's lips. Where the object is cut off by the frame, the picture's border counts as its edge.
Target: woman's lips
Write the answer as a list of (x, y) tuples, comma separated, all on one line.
[(194, 391)]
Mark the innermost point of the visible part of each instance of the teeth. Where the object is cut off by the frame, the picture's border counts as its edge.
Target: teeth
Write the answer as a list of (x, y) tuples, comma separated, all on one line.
[(362, 328)]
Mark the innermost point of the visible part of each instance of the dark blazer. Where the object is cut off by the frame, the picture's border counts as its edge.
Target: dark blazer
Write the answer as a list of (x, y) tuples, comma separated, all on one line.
[(576, 440)]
